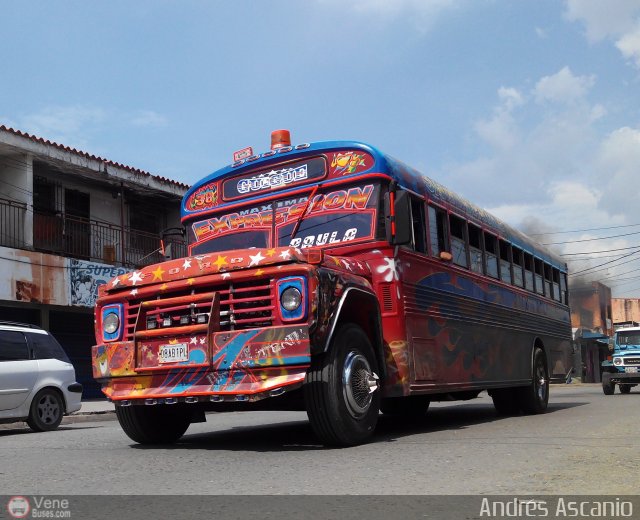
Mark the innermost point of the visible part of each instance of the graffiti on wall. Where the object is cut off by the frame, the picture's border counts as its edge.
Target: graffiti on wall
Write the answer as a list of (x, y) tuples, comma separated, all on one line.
[(86, 277)]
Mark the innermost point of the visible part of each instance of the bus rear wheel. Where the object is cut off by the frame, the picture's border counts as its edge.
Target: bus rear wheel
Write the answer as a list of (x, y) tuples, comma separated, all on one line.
[(505, 401), (534, 398), (159, 424), (341, 390)]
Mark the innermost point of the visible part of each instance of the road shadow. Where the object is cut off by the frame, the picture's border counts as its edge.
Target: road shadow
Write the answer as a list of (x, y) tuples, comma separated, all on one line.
[(8, 430), (298, 435)]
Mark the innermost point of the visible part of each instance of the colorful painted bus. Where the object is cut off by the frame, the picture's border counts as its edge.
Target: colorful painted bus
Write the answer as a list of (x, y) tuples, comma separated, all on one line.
[(332, 278)]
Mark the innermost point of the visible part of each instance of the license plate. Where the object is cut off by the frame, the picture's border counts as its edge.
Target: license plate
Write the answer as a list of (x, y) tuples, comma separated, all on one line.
[(173, 353), (631, 370)]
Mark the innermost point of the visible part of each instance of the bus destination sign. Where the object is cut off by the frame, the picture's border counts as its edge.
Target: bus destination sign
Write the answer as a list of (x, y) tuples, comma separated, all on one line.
[(288, 175)]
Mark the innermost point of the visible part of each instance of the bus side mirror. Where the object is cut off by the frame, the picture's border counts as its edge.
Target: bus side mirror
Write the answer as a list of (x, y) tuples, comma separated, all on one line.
[(398, 218)]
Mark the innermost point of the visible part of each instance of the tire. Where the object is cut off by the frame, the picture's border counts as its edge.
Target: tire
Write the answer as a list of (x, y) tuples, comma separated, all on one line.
[(608, 387), (159, 424), (405, 407), (505, 401), (46, 411), (625, 389), (341, 390), (534, 398)]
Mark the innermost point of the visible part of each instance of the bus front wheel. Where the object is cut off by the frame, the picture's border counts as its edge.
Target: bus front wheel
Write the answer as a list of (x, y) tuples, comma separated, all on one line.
[(158, 424), (341, 390)]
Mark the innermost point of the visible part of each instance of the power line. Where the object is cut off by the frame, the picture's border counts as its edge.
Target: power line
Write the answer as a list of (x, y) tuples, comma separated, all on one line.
[(603, 251), (581, 230), (590, 239)]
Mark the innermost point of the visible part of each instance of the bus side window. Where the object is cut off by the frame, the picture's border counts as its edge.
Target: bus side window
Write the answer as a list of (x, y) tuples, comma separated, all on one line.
[(516, 254), (538, 275), (548, 280), (475, 248), (458, 241), (505, 261), (528, 272), (437, 230), (418, 224), (491, 255), (556, 285), (563, 288)]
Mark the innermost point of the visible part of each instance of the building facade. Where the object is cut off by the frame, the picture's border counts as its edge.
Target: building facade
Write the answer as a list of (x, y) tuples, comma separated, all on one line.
[(592, 324), (69, 222)]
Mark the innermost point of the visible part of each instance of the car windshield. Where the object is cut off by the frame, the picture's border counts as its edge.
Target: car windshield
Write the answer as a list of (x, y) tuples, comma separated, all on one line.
[(331, 217), (629, 338)]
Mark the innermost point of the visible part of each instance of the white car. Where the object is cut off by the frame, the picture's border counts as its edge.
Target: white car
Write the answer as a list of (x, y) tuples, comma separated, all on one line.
[(37, 380)]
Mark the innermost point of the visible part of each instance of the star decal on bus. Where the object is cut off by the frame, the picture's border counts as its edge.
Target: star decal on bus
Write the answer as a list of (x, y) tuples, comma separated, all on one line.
[(157, 274), (285, 255), (135, 277), (187, 264), (256, 259), (115, 281), (220, 262), (133, 292)]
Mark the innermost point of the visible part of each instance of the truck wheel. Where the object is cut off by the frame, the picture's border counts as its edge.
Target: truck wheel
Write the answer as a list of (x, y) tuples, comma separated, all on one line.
[(47, 409), (341, 391), (505, 401), (625, 389), (160, 424), (534, 398), (405, 407), (608, 387)]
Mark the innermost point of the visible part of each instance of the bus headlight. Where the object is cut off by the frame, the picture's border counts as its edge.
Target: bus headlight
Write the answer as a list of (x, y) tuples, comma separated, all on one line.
[(292, 294), (111, 322), (617, 361), (291, 298)]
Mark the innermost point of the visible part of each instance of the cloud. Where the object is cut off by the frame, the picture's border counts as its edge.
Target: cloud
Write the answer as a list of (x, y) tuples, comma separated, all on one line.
[(68, 125), (148, 118), (563, 87), (618, 21), (546, 165), (423, 13)]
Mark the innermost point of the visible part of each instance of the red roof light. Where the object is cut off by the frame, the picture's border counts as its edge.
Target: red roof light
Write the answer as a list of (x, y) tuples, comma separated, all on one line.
[(280, 139)]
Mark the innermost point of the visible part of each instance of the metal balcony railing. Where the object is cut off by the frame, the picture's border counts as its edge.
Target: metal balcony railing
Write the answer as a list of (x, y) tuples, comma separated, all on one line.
[(75, 237), (12, 219)]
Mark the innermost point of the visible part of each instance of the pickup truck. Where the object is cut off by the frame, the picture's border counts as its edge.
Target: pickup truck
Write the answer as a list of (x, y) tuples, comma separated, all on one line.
[(622, 368)]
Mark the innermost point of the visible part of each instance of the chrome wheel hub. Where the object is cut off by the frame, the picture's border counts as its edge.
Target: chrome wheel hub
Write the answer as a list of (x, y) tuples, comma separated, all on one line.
[(358, 384)]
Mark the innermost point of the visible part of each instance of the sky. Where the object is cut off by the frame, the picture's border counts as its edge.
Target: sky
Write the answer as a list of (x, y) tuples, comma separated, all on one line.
[(529, 108)]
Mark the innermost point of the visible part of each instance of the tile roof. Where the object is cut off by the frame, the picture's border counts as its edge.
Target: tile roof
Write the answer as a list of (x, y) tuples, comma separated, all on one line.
[(90, 156)]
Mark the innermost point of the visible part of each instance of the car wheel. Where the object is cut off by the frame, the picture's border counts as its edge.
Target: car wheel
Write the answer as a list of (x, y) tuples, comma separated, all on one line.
[(608, 387), (160, 424), (341, 390), (47, 409)]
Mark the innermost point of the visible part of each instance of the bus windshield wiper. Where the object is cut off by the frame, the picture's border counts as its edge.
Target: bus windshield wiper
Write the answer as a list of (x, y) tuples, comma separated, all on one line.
[(304, 212)]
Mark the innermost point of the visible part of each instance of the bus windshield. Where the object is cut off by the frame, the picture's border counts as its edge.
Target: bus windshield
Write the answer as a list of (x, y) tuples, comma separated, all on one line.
[(333, 216)]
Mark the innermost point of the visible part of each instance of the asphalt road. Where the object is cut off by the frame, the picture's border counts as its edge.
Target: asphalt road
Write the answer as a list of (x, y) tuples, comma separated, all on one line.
[(586, 444)]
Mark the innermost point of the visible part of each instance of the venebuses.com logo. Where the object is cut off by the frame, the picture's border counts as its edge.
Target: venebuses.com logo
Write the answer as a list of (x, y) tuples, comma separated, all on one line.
[(38, 507), (18, 507)]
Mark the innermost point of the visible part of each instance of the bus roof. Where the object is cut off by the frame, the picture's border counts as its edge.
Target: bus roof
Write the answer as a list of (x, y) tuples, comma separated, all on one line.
[(404, 175)]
